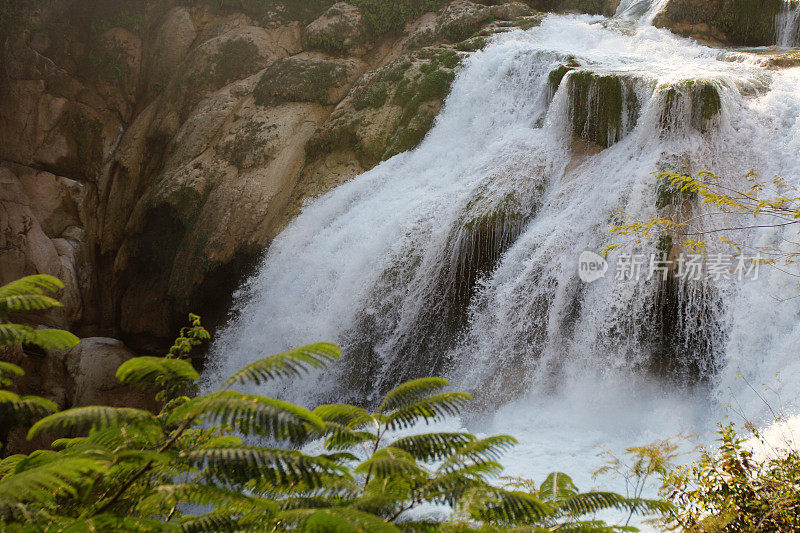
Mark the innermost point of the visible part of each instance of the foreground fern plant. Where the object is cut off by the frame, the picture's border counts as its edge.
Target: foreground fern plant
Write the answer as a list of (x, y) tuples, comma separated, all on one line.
[(31, 293), (244, 460)]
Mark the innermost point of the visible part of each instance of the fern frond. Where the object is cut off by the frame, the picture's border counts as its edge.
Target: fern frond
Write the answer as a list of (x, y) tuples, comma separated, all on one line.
[(53, 339), (410, 392), (36, 284), (10, 463), (592, 502), (346, 520), (49, 339), (591, 526), (511, 507), (489, 449), (293, 363), (20, 303), (214, 522), (433, 446), (8, 372), (340, 413), (332, 520), (388, 462), (275, 466), (146, 372), (342, 438), (42, 482), (166, 496), (15, 409), (429, 408), (80, 420), (449, 488), (556, 487), (110, 522), (251, 414)]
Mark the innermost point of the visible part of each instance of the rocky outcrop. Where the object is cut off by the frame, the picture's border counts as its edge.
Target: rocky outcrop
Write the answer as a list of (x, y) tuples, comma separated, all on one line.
[(168, 143), (736, 22), (42, 231), (340, 30), (92, 368)]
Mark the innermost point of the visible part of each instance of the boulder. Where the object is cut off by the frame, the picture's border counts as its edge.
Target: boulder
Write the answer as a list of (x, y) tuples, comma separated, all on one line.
[(340, 30), (92, 366)]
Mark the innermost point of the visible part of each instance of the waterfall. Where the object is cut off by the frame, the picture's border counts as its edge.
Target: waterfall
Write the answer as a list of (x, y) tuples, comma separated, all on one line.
[(641, 11), (787, 25), (460, 258)]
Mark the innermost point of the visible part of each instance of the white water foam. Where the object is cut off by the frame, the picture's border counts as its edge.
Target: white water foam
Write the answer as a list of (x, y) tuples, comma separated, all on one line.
[(559, 364)]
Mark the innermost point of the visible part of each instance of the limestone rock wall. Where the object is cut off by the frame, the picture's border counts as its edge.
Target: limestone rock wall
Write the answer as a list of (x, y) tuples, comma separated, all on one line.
[(184, 135)]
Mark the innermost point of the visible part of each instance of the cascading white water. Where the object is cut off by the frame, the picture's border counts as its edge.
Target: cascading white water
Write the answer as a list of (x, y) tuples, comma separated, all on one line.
[(460, 257), (642, 11), (787, 25)]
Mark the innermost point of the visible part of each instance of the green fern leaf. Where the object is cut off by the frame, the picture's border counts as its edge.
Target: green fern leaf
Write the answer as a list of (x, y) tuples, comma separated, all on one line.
[(20, 303), (43, 482), (288, 364), (251, 414), (340, 413), (511, 507), (214, 522), (489, 449), (433, 446), (49, 339), (37, 284), (428, 408), (557, 487), (346, 520), (145, 372), (8, 372), (592, 502), (166, 496), (343, 438), (388, 462), (80, 420), (411, 392), (15, 409), (274, 466)]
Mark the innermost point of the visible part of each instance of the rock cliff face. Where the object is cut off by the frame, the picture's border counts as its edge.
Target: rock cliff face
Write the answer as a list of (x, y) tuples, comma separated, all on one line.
[(150, 150)]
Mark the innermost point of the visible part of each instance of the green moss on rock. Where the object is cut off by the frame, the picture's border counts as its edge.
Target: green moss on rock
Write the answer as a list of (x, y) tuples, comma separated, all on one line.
[(473, 45), (298, 80), (700, 97), (596, 106), (235, 60), (370, 96), (383, 16)]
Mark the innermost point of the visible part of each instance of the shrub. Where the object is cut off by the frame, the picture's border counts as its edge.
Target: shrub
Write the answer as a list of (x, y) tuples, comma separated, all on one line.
[(729, 490)]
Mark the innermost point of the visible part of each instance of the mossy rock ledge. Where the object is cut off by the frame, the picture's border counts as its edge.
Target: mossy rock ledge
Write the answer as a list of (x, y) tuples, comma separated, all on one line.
[(731, 22), (697, 100), (602, 106)]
